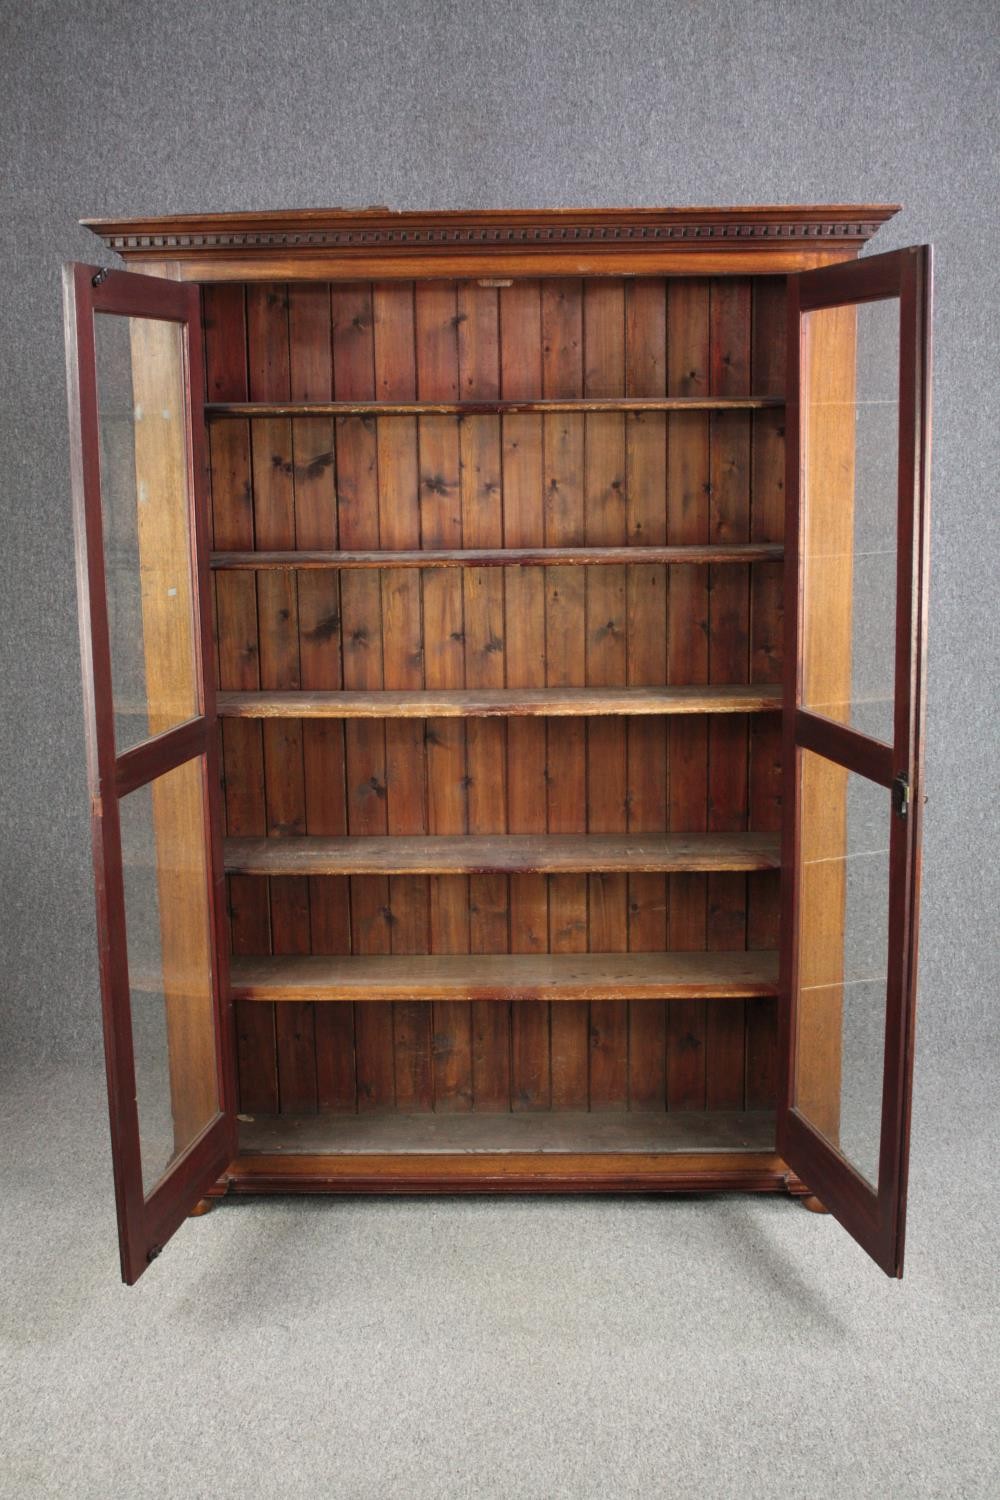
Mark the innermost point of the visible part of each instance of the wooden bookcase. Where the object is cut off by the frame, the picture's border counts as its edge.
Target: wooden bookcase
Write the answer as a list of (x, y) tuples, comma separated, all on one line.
[(458, 558)]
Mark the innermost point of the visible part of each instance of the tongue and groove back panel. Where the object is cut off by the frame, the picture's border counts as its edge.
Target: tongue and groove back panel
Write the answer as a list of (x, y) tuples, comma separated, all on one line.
[(490, 481)]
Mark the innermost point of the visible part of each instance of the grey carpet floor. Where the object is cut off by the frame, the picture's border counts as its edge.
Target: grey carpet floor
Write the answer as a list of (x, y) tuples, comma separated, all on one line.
[(717, 1347)]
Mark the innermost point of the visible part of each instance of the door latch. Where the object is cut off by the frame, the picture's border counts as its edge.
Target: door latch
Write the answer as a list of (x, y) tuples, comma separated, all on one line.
[(901, 796)]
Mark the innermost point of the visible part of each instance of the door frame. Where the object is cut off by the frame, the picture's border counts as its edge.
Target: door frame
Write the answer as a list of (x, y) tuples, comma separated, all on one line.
[(144, 1223), (876, 1219)]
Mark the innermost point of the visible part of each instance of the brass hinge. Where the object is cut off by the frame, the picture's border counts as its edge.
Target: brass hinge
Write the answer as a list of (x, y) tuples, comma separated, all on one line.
[(901, 796)]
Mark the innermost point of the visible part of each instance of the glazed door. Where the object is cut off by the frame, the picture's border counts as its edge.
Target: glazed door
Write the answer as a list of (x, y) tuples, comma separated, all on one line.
[(133, 354), (856, 547)]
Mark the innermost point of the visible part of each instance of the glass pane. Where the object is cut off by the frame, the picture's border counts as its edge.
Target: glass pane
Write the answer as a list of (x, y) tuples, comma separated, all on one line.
[(165, 862), (843, 953), (850, 417), (144, 496)]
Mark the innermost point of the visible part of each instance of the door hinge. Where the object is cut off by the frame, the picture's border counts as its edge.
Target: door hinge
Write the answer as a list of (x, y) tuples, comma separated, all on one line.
[(901, 796)]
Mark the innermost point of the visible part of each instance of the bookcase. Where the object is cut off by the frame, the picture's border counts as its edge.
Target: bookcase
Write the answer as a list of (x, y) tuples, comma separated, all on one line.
[(502, 640)]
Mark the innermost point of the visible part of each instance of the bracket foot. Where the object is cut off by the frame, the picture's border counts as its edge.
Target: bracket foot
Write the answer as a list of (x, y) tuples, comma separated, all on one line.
[(812, 1203), (203, 1206)]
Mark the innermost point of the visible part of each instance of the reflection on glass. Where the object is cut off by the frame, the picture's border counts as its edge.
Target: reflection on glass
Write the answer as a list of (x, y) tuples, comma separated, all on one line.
[(169, 962), (843, 953), (144, 497), (850, 410)]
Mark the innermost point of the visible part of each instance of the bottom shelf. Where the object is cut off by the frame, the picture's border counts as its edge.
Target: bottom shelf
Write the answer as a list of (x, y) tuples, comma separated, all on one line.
[(541, 1133)]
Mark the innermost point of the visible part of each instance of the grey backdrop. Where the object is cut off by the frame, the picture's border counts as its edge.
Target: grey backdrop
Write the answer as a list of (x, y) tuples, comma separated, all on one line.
[(703, 1348), (170, 107)]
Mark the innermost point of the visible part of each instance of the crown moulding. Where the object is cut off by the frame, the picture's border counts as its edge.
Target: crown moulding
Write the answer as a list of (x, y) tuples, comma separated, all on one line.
[(380, 229)]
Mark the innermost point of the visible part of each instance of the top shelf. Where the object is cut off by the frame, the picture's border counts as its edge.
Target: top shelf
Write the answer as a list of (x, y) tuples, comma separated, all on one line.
[(217, 409)]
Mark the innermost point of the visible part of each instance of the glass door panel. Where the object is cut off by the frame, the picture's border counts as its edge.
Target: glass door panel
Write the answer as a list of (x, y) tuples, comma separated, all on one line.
[(843, 928), (147, 542), (134, 348), (850, 416), (170, 973)]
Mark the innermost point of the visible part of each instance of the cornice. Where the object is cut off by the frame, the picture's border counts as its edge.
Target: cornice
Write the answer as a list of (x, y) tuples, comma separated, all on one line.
[(379, 229)]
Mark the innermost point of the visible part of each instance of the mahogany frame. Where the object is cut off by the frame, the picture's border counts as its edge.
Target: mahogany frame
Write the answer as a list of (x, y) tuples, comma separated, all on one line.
[(144, 1223), (348, 244), (875, 1219)]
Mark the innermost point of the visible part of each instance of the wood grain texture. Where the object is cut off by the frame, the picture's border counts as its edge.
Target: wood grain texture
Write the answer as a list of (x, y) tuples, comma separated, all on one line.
[(328, 1035), (397, 456), (767, 524), (522, 478), (529, 702), (352, 335), (430, 407), (473, 854), (688, 520), (238, 658), (647, 591), (606, 655), (280, 668), (729, 661), (563, 438), (480, 453), (501, 557), (504, 599), (444, 643), (523, 976)]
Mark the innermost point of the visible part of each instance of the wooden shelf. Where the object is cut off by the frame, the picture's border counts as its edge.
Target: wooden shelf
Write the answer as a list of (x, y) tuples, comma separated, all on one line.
[(506, 976), (504, 557), (216, 409), (500, 702), (532, 1131), (511, 853)]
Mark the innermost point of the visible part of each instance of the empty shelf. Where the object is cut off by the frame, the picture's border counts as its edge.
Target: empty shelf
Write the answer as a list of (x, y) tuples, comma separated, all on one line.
[(504, 557), (499, 702), (532, 1131), (514, 853), (506, 976), (486, 408)]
